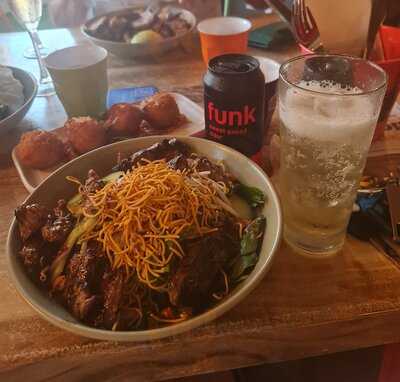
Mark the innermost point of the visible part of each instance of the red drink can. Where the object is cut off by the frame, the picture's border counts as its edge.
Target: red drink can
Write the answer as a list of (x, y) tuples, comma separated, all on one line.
[(234, 101)]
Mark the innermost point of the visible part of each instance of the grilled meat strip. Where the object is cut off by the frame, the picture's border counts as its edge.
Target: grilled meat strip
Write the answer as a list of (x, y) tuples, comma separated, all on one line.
[(59, 224), (36, 255), (192, 283), (112, 288), (93, 183), (179, 162), (92, 290), (30, 218), (83, 276), (216, 171), (166, 149)]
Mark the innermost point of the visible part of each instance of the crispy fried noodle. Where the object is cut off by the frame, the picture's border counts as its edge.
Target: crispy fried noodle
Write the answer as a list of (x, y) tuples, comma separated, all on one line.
[(141, 216)]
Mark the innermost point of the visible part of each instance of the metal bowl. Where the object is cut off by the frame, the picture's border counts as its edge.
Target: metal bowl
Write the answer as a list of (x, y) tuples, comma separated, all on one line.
[(102, 159), (127, 50), (30, 86)]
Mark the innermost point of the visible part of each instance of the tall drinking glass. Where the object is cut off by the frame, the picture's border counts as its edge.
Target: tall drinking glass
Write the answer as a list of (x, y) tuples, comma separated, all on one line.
[(328, 108), (28, 13)]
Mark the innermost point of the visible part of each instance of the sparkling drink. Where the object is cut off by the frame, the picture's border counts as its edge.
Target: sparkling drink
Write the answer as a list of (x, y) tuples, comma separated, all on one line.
[(326, 131), (29, 12), (321, 163)]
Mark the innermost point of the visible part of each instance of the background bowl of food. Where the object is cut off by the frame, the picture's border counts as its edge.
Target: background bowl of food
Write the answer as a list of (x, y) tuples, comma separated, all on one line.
[(124, 34), (18, 90), (223, 282)]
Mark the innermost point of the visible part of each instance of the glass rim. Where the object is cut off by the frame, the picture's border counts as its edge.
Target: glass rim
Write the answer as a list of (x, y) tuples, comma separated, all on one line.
[(58, 54), (363, 93)]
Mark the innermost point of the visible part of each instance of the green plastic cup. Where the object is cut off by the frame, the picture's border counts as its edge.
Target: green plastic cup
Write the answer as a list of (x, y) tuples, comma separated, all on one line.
[(79, 74)]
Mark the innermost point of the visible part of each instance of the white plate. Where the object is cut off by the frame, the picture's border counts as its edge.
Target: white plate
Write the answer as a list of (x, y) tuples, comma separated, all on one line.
[(31, 178)]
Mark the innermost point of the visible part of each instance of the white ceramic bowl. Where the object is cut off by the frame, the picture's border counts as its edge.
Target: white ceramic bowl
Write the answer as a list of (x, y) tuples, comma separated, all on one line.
[(126, 50), (102, 159), (30, 89)]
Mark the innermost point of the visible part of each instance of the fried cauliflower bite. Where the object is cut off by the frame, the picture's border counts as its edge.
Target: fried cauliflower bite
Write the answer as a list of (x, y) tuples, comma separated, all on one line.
[(40, 149), (124, 119), (161, 111), (85, 134)]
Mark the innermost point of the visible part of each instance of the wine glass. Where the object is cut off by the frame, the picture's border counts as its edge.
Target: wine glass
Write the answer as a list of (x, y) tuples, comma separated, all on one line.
[(28, 13), (30, 52)]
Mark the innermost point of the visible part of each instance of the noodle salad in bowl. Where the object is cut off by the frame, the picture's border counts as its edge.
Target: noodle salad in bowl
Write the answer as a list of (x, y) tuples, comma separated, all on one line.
[(165, 238)]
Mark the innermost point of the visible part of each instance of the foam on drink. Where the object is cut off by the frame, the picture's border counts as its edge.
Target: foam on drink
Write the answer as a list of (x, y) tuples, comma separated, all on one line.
[(327, 115)]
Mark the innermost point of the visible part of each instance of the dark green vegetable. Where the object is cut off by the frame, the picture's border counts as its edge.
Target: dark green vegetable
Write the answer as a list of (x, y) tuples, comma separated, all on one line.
[(252, 235), (248, 257), (242, 264), (252, 195)]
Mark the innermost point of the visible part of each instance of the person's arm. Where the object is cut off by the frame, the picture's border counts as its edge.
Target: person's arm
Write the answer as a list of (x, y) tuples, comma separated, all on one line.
[(70, 13)]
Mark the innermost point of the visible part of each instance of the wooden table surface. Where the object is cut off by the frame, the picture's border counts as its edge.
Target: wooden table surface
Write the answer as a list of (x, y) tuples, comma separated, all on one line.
[(302, 308)]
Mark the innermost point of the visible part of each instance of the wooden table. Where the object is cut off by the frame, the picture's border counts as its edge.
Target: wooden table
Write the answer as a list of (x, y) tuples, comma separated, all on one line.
[(303, 307)]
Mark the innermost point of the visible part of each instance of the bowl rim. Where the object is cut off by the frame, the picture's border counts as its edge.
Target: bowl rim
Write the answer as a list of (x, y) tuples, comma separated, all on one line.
[(84, 26), (204, 24), (206, 317), (27, 100)]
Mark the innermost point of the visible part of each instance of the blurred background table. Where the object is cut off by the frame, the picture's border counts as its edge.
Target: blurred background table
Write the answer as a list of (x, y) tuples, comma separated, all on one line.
[(303, 308)]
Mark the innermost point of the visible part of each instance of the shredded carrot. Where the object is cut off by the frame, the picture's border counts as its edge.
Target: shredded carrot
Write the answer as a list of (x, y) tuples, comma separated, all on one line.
[(142, 215)]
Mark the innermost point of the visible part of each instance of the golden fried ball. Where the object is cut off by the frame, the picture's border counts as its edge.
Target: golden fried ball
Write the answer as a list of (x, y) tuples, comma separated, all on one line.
[(161, 111), (39, 149), (124, 119), (85, 134)]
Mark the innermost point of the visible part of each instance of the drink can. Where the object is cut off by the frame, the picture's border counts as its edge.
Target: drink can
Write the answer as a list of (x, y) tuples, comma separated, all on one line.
[(234, 101)]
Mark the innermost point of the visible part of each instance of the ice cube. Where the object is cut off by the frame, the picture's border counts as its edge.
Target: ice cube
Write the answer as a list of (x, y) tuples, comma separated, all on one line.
[(325, 107)]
